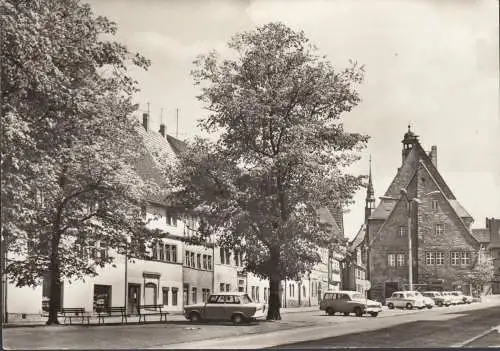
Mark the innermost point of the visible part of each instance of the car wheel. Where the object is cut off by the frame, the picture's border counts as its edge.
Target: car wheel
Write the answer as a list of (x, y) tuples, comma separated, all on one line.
[(390, 306), (409, 306), (346, 313), (358, 311), (194, 317), (440, 304), (238, 319), (429, 307), (374, 314), (330, 311)]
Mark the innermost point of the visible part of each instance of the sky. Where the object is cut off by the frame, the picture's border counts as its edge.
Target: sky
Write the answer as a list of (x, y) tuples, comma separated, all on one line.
[(431, 63)]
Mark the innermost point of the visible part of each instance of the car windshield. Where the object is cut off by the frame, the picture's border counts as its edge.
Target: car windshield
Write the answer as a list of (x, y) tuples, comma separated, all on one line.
[(417, 293), (357, 297), (246, 299)]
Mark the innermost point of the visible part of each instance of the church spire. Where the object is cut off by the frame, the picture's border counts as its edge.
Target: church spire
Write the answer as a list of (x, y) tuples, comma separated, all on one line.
[(370, 194)]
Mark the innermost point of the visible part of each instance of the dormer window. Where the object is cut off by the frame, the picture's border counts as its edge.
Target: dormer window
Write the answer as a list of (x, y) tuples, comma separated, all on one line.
[(435, 205)]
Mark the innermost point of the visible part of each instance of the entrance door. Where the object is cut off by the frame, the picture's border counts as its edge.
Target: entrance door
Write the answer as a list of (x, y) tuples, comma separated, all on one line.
[(391, 287), (134, 297), (102, 297)]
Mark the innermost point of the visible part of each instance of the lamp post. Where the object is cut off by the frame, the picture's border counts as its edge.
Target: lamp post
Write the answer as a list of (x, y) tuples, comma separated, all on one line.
[(126, 276), (404, 194)]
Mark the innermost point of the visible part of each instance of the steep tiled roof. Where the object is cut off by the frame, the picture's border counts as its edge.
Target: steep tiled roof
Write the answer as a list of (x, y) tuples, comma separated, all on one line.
[(177, 145), (325, 216), (461, 212), (358, 239), (384, 209), (481, 234)]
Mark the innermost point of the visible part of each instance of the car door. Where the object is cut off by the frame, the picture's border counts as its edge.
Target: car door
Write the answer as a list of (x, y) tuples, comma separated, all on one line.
[(399, 300), (343, 302), (230, 306), (215, 307)]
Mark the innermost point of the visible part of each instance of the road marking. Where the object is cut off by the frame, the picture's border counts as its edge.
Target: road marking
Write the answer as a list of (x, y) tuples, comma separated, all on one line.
[(471, 340)]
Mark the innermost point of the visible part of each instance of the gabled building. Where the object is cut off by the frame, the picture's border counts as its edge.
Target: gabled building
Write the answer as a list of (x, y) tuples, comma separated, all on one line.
[(419, 206), (493, 226)]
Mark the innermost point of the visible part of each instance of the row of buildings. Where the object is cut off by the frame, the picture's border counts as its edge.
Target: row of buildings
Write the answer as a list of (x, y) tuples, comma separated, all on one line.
[(418, 206), (173, 272)]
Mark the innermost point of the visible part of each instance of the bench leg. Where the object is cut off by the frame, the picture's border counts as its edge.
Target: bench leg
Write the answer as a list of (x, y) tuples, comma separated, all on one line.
[(126, 321)]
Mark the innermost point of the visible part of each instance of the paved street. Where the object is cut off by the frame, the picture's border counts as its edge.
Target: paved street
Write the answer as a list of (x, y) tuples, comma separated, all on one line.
[(437, 327)]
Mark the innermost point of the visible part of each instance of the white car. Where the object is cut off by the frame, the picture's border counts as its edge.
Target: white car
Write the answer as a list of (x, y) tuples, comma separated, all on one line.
[(461, 297), (429, 302), (455, 299), (405, 299)]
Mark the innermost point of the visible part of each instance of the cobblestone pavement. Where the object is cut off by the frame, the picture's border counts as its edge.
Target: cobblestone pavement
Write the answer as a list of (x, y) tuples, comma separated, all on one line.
[(181, 332)]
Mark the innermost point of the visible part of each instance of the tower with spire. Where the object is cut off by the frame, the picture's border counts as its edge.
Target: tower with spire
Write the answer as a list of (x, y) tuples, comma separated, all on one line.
[(370, 195)]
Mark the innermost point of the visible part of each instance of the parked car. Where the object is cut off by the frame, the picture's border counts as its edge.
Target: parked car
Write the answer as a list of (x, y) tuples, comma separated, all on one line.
[(405, 299), (347, 302), (461, 297), (428, 302), (439, 299), (237, 307), (455, 298)]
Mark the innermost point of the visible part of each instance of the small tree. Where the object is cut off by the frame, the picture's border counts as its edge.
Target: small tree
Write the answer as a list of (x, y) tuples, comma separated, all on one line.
[(68, 144), (280, 156)]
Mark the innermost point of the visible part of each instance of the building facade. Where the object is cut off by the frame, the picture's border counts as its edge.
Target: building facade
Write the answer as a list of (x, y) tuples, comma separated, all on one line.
[(419, 206)]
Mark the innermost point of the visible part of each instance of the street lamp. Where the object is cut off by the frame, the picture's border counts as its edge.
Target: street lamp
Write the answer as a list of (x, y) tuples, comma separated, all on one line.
[(127, 243), (417, 201)]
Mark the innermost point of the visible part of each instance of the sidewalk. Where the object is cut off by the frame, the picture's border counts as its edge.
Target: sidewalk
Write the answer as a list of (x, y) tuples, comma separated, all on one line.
[(39, 320)]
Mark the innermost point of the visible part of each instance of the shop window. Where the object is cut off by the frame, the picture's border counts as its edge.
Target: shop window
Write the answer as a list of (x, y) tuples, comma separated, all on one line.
[(102, 297)]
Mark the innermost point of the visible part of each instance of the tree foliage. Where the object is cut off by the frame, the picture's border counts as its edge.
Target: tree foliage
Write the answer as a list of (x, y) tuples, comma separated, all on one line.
[(281, 152), (68, 142)]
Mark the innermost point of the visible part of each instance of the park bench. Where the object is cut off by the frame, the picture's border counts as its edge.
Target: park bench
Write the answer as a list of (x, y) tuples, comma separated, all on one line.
[(111, 312), (151, 310), (79, 313)]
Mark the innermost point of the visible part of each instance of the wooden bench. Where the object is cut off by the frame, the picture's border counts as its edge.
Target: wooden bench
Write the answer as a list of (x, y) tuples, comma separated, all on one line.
[(111, 312), (70, 313), (151, 310)]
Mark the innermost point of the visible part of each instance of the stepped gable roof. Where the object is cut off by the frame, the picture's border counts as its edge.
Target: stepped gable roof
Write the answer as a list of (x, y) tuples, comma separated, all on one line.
[(482, 235)]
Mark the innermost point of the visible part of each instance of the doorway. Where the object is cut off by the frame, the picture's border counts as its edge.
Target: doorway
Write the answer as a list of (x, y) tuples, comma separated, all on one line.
[(102, 297), (134, 297)]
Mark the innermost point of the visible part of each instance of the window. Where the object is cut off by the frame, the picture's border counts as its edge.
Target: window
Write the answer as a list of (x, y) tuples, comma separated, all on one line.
[(455, 258), (440, 258), (173, 248), (236, 258), (174, 296), (228, 288), (430, 258), (165, 295), (161, 252), (221, 287), (210, 262), (253, 293), (193, 263), (168, 257), (222, 256), (241, 258), (265, 294), (403, 231), (154, 251), (303, 291), (205, 294), (204, 261), (194, 295), (228, 257), (198, 260), (465, 257), (257, 294), (187, 258), (171, 220), (439, 229), (391, 260), (434, 205)]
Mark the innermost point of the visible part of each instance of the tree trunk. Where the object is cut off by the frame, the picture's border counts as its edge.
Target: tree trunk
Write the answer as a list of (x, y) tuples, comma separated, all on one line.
[(273, 313), (55, 281)]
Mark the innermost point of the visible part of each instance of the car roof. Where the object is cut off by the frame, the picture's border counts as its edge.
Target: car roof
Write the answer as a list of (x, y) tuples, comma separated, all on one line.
[(349, 292), (239, 293)]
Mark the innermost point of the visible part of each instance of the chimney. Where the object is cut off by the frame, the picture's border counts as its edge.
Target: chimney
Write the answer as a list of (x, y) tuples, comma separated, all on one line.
[(162, 130), (433, 155), (145, 120)]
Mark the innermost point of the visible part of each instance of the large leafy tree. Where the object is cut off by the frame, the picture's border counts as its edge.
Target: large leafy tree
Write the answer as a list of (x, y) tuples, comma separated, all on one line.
[(68, 143), (281, 152)]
